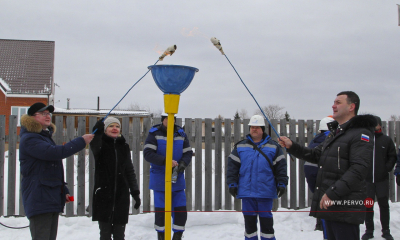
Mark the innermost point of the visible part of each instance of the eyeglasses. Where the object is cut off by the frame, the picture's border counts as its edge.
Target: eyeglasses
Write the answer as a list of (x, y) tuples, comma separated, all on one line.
[(44, 114)]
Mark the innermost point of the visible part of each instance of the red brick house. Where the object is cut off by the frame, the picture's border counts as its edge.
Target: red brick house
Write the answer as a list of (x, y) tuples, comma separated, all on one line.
[(26, 75)]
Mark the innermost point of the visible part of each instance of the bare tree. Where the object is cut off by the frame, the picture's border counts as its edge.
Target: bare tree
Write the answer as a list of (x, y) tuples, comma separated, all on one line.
[(273, 111), (220, 117), (236, 116), (394, 118), (243, 114), (156, 113)]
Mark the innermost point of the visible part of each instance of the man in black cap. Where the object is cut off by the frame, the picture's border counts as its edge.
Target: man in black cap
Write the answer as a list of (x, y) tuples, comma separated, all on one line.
[(44, 192), (378, 182)]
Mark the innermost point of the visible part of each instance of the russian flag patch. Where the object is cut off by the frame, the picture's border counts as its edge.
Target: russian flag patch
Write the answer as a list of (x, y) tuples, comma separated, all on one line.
[(364, 138)]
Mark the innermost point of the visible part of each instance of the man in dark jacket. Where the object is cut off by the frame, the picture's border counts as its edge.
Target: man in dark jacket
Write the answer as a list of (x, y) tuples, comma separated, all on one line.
[(257, 174), (155, 152), (44, 192), (378, 182), (343, 160)]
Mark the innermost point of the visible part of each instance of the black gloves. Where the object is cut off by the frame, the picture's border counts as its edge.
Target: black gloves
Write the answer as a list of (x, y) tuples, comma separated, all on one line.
[(182, 166), (233, 191), (398, 180), (281, 189), (137, 200), (99, 126)]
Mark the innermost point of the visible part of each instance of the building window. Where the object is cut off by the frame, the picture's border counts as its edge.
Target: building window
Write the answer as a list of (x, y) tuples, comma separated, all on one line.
[(19, 111)]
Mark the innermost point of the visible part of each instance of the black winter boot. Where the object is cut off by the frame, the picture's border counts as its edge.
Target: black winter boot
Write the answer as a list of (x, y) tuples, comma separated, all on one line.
[(318, 225), (160, 235), (177, 236), (386, 235), (367, 235)]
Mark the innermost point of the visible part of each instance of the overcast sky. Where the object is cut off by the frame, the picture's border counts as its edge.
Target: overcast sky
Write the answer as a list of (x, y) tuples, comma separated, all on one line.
[(295, 53)]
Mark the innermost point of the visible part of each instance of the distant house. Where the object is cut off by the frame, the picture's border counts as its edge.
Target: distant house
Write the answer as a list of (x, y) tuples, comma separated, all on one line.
[(26, 75)]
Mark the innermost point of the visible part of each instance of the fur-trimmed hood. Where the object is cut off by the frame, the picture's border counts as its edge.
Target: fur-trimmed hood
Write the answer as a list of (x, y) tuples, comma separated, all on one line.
[(359, 121), (34, 126)]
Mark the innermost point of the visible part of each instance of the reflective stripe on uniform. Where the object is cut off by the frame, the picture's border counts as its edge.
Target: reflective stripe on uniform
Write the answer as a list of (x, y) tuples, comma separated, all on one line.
[(152, 146), (176, 227), (279, 158), (267, 235), (234, 158), (186, 149), (158, 137), (269, 145), (250, 235), (158, 228), (246, 145)]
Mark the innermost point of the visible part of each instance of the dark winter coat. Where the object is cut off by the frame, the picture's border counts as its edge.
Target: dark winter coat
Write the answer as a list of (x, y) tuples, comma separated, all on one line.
[(251, 172), (155, 152), (113, 179), (42, 186), (397, 169), (344, 159), (383, 163)]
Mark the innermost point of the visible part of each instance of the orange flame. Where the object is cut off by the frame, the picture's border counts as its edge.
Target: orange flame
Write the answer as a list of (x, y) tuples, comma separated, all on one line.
[(157, 48), (191, 33)]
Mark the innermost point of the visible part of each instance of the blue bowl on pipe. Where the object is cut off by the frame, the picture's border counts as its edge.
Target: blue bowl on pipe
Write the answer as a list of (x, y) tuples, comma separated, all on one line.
[(172, 79)]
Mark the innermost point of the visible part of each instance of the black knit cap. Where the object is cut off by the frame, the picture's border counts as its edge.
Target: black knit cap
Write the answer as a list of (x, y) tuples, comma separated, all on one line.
[(39, 107), (378, 120)]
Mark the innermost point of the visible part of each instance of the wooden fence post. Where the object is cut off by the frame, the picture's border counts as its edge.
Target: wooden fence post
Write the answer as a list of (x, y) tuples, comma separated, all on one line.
[(301, 176), (189, 169), (218, 164), (198, 165), (12, 160), (237, 136), (208, 166), (81, 170), (283, 132), (310, 135), (92, 122), (392, 190), (227, 152), (69, 211), (146, 169), (136, 154), (293, 169)]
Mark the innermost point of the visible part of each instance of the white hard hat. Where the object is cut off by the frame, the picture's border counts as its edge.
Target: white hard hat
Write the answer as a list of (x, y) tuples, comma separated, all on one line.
[(323, 123), (257, 120)]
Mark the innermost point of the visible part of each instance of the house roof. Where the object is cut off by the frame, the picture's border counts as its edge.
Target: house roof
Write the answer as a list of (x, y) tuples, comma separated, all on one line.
[(27, 66), (99, 112)]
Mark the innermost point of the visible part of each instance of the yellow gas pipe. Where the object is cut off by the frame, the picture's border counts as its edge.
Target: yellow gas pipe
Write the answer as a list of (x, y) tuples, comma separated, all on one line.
[(171, 105)]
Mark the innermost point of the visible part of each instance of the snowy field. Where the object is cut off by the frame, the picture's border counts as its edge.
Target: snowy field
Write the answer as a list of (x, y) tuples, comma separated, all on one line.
[(288, 224), (224, 225)]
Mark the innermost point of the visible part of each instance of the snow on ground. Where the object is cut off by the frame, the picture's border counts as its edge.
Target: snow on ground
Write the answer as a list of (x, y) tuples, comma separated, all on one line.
[(288, 224)]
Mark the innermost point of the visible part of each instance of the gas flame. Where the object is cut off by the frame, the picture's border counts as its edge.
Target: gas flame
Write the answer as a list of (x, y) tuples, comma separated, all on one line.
[(191, 33), (169, 51)]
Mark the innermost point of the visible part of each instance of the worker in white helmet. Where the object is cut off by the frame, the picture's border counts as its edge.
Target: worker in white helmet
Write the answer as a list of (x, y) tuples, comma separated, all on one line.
[(257, 174)]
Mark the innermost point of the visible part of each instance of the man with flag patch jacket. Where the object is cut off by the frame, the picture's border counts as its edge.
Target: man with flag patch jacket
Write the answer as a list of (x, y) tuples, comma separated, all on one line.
[(154, 152), (378, 182), (257, 178), (343, 160)]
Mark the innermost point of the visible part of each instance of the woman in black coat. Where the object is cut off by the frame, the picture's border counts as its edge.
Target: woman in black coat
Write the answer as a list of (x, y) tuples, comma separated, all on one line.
[(114, 179)]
